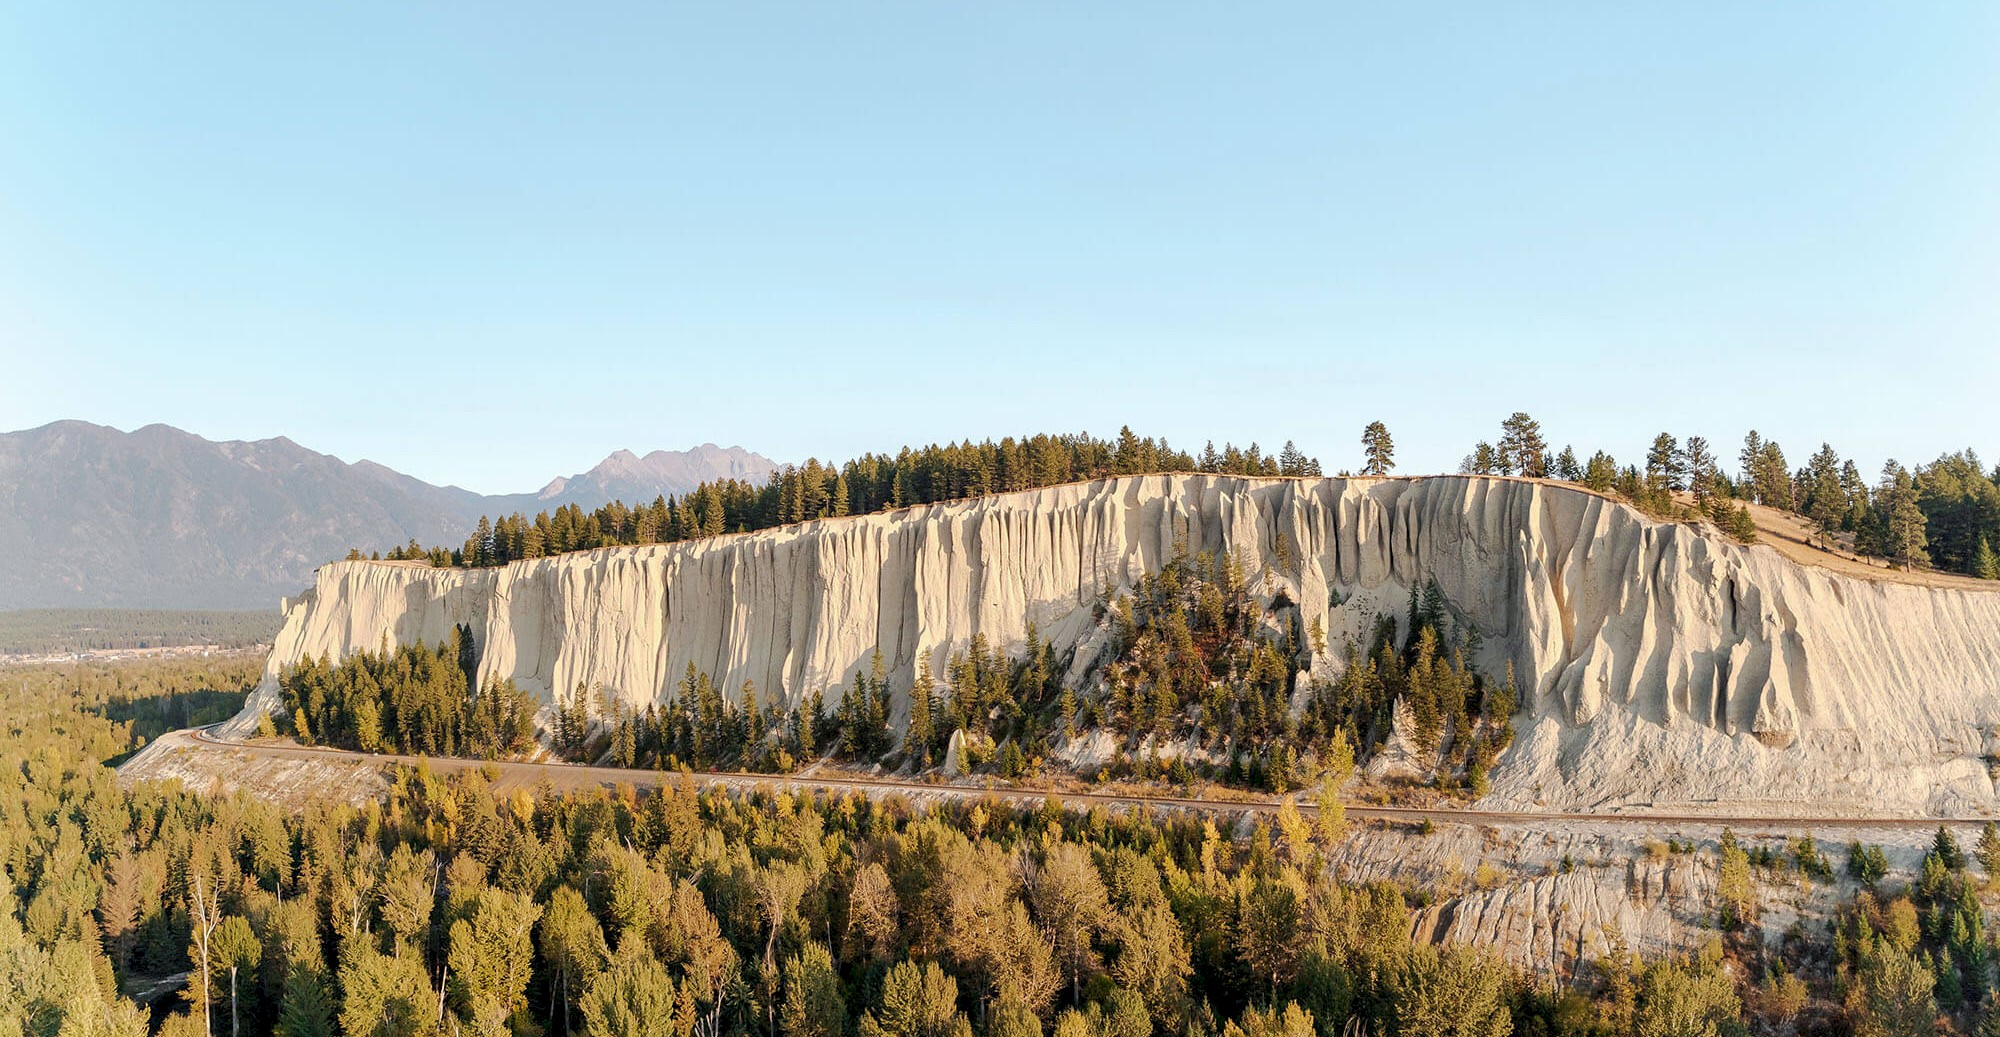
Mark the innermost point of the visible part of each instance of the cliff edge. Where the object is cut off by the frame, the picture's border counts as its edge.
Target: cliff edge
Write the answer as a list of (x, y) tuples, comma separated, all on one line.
[(1660, 664)]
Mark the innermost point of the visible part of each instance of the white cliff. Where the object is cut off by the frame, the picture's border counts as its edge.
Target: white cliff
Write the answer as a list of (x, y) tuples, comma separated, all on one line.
[(1659, 663)]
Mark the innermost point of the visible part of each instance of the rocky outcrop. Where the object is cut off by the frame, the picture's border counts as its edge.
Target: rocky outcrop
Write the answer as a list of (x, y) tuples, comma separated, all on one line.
[(1658, 663), (1555, 898)]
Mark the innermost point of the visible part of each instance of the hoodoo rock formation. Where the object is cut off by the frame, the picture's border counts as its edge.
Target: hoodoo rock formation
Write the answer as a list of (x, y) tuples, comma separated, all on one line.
[(1659, 664)]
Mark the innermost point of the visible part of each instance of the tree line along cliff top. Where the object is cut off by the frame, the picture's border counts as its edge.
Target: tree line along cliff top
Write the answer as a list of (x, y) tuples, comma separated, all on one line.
[(1938, 525)]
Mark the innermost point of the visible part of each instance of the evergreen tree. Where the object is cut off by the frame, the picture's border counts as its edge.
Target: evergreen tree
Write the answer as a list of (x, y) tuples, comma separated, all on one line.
[(1903, 519), (1699, 464), (1985, 563), (1738, 524), (918, 738), (1774, 480), (1379, 451), (1988, 852), (1663, 464), (1566, 467), (307, 1006), (1453, 992), (1522, 449), (753, 720), (1945, 850), (1857, 495), (1751, 458), (813, 1005), (1483, 460), (1129, 457), (1601, 473), (492, 959), (712, 518), (1291, 461), (917, 1001), (479, 549), (632, 998), (1735, 890), (1961, 507), (1825, 502), (805, 721)]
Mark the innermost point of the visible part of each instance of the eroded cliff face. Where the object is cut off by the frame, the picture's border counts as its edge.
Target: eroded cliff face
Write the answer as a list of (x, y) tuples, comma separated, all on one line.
[(1659, 664)]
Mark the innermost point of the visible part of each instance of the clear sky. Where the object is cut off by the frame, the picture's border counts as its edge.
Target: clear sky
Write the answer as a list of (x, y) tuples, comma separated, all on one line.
[(488, 244)]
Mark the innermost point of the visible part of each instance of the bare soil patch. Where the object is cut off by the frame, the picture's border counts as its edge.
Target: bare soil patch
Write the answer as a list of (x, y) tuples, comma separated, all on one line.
[(1793, 538)]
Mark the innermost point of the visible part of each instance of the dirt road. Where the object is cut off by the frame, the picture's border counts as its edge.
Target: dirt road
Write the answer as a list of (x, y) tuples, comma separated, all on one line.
[(515, 774)]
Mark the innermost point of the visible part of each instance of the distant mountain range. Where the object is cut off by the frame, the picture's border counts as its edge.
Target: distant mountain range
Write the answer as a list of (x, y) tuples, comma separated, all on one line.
[(160, 518), (633, 479)]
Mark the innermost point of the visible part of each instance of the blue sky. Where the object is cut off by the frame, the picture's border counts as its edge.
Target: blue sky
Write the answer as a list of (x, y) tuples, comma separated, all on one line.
[(487, 244)]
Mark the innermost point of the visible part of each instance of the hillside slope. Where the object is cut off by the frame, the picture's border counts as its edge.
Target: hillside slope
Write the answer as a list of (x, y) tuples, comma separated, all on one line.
[(1658, 663), (160, 518)]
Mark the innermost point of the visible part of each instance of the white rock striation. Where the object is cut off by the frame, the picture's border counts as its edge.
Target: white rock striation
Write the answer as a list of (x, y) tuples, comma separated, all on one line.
[(1659, 664)]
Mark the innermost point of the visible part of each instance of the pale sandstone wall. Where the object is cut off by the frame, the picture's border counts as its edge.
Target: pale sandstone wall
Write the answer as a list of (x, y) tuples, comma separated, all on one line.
[(1658, 663)]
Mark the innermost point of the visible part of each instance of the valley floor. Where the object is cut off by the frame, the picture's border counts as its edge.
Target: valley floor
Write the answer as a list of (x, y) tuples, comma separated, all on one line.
[(1550, 891)]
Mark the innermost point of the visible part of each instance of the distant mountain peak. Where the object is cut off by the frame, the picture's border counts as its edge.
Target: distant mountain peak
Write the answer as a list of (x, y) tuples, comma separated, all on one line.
[(624, 475), (161, 517)]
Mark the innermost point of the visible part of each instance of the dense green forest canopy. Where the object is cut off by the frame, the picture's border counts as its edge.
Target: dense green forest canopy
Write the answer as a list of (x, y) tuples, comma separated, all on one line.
[(412, 699), (452, 907)]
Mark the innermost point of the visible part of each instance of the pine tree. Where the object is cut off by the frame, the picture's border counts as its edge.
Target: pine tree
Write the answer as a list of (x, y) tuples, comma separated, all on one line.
[(1601, 472), (1699, 464), (1855, 491), (852, 716), (1663, 464), (753, 717), (1128, 459), (1522, 449), (1379, 451), (1945, 852), (711, 515), (1567, 468), (1825, 503), (1752, 459), (1483, 460), (1209, 461), (1735, 888), (1985, 563), (479, 549), (917, 740), (1291, 461), (1988, 852), (306, 1008), (1738, 524), (1905, 521)]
